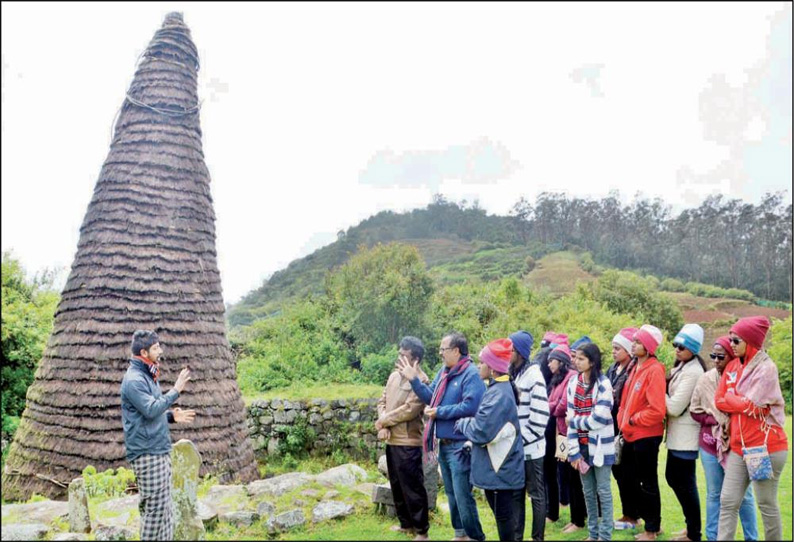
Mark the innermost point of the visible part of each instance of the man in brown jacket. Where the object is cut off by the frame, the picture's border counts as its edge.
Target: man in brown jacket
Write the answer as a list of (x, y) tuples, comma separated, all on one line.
[(400, 425)]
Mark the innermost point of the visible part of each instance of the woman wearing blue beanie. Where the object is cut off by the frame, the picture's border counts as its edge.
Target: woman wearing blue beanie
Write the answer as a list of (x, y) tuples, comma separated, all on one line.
[(683, 431)]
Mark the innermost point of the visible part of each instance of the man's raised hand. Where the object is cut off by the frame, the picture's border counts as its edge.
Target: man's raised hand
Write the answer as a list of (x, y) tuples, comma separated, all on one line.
[(182, 380), (184, 416), (407, 369)]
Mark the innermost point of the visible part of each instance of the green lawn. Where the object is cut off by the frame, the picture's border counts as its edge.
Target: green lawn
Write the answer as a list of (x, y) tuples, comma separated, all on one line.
[(366, 525)]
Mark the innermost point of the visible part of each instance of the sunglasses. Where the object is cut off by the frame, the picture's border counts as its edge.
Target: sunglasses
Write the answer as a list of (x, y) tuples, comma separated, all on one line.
[(735, 340), (679, 347), (717, 356)]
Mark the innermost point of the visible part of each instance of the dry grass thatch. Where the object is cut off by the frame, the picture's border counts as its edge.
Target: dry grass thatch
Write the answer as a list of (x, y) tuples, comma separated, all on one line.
[(146, 259)]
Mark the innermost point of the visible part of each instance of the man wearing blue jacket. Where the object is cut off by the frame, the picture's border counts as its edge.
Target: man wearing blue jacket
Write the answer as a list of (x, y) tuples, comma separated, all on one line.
[(145, 415), (455, 393)]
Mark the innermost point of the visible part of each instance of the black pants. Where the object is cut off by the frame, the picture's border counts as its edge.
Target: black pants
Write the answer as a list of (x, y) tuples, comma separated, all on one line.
[(578, 506), (407, 480), (507, 506), (641, 460), (628, 498), (562, 483), (552, 490), (680, 476), (534, 477)]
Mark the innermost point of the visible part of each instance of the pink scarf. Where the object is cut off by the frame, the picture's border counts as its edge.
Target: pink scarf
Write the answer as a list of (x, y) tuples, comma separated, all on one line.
[(760, 384)]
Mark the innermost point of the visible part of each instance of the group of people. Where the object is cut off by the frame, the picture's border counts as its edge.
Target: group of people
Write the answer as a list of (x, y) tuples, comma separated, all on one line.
[(556, 427)]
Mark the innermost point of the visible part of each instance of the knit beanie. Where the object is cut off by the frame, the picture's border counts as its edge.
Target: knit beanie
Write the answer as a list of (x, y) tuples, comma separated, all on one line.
[(559, 338), (496, 355), (725, 343), (522, 342), (624, 338), (650, 337), (581, 341), (690, 337), (549, 337), (561, 353), (752, 330)]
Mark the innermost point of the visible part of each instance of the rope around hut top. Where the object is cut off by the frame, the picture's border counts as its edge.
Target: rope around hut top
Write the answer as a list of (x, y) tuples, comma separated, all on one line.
[(166, 112)]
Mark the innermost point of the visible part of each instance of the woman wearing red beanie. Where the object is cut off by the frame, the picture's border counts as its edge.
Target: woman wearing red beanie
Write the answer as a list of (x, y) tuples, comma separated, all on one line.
[(749, 390)]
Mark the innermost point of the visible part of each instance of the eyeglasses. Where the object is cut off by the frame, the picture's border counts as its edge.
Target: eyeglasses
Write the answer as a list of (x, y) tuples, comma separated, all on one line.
[(679, 347), (717, 356), (736, 340), (441, 350)]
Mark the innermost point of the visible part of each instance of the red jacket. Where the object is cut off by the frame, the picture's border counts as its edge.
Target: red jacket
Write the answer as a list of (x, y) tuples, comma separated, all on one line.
[(558, 403), (643, 402), (728, 400)]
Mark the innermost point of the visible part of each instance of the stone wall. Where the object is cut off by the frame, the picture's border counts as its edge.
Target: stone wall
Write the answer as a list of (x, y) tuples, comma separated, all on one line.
[(344, 424)]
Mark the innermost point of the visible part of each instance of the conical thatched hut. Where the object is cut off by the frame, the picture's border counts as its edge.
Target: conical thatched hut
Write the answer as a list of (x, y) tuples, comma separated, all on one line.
[(146, 259)]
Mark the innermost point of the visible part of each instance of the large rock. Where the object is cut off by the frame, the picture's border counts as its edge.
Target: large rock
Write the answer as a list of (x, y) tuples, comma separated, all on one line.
[(36, 512), (330, 510), (122, 513), (207, 514), (69, 536), (381, 494), (186, 462), (265, 509), (23, 531), (79, 519), (112, 532), (287, 520), (223, 498), (278, 485), (240, 519), (382, 466), (345, 475), (431, 482)]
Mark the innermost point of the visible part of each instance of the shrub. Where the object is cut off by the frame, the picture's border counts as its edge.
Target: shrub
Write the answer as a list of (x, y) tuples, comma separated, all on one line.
[(529, 264), (377, 367), (672, 285), (107, 484), (298, 439), (779, 349)]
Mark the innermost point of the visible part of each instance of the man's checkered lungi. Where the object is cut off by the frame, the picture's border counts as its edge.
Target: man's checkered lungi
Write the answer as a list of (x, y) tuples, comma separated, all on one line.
[(153, 475)]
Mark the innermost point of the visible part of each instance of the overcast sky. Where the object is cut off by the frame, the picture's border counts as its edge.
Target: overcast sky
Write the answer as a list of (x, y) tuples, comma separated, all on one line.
[(316, 116)]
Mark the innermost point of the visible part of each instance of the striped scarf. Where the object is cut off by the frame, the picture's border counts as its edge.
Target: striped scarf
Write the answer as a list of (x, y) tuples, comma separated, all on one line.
[(582, 404), (153, 366), (429, 437)]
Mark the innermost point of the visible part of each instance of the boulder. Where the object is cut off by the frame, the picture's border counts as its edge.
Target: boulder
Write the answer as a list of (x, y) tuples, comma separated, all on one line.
[(381, 494), (240, 519), (79, 519), (346, 475), (23, 531), (117, 513), (265, 509), (70, 536), (278, 485), (113, 532), (330, 510), (382, 466), (36, 512), (186, 463), (331, 495), (226, 498), (287, 520), (207, 514)]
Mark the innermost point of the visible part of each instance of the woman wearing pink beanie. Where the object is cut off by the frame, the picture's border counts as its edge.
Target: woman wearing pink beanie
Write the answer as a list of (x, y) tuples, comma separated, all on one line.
[(749, 390)]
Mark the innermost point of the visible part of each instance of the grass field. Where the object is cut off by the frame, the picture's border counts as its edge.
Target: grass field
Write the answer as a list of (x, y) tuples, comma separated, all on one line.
[(367, 525), (558, 273), (329, 392)]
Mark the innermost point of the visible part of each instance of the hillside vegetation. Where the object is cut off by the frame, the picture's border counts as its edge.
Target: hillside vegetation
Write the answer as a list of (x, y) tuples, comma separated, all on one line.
[(723, 248)]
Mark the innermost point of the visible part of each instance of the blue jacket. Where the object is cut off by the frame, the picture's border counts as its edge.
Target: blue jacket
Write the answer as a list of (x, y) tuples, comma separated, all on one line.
[(144, 412), (461, 399), (497, 409)]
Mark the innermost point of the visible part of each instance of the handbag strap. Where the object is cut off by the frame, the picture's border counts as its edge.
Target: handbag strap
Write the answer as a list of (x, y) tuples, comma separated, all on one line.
[(766, 433)]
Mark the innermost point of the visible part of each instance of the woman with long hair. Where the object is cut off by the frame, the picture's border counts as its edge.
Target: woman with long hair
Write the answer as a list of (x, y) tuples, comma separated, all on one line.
[(591, 437), (682, 430)]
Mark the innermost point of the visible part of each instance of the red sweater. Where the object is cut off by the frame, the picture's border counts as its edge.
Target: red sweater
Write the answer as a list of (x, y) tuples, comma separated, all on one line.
[(643, 402), (728, 400)]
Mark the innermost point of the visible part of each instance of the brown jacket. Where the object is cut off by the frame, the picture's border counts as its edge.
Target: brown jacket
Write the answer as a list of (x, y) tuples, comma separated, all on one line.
[(400, 411)]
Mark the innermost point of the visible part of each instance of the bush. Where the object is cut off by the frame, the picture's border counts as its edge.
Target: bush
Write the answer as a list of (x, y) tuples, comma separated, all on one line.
[(628, 293), (298, 439), (107, 484), (529, 264), (779, 349), (708, 290), (377, 367), (672, 285)]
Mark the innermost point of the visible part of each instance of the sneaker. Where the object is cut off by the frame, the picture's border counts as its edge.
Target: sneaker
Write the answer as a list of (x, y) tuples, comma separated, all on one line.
[(624, 525)]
